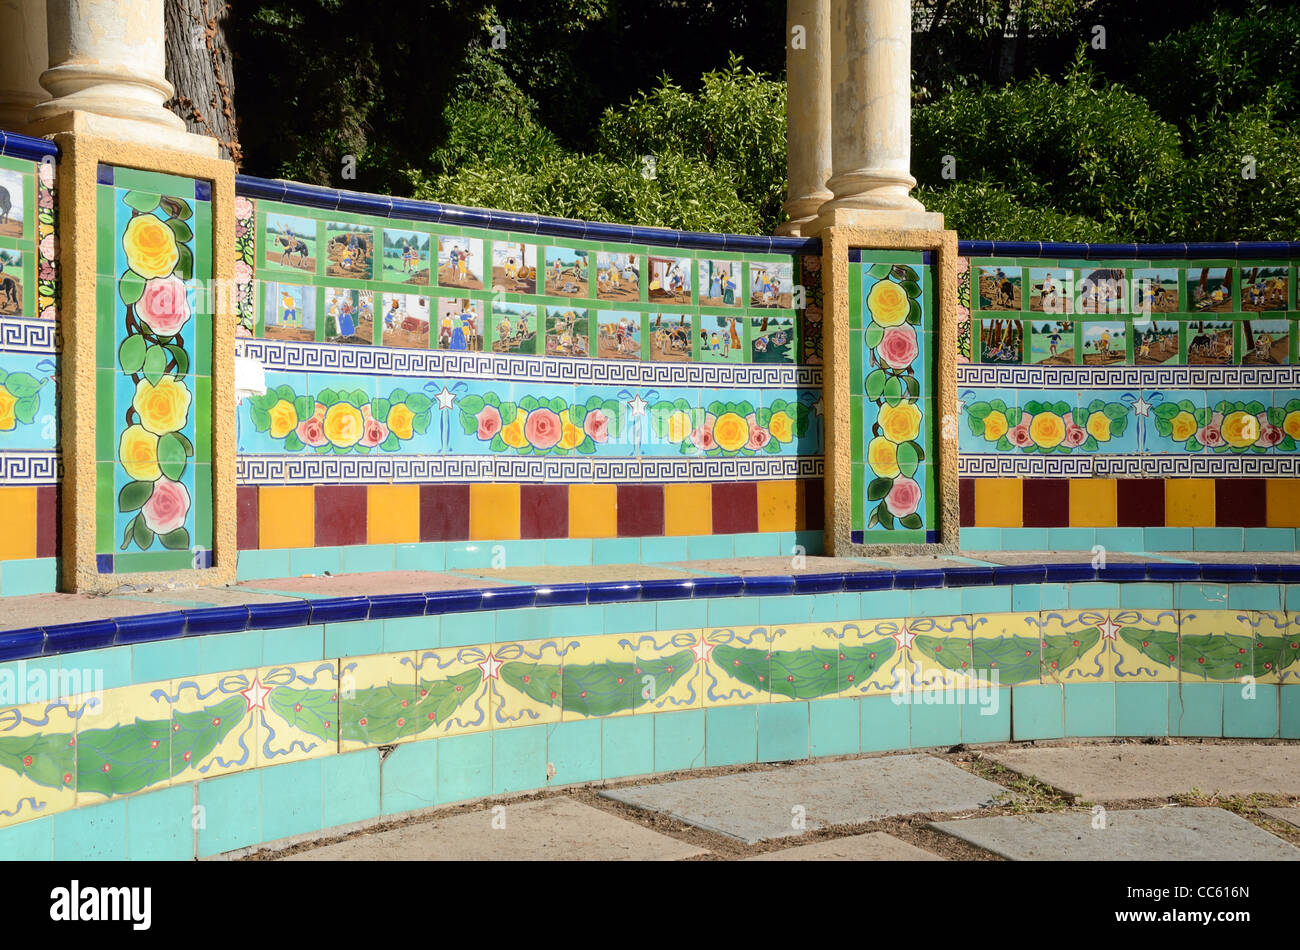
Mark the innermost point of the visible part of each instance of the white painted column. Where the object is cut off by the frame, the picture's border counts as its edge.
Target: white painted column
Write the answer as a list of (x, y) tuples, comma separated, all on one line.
[(807, 112), (871, 61), (23, 57)]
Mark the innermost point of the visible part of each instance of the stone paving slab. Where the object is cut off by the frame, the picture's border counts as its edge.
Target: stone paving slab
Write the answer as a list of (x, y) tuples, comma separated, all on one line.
[(1290, 815), (549, 829), (873, 846), (759, 806), (1150, 834), (1110, 773)]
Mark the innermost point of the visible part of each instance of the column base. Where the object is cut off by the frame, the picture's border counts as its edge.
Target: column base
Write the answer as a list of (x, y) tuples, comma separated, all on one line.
[(874, 219), (134, 131)]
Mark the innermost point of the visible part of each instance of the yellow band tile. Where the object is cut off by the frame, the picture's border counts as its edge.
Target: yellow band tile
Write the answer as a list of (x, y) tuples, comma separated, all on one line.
[(1282, 499), (286, 516), (393, 514), (1092, 503), (1189, 503), (593, 511), (688, 509), (18, 536), (998, 503), (493, 512), (777, 506)]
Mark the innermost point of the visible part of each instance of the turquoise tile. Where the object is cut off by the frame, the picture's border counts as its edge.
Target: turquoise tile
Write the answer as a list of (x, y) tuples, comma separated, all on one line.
[(412, 633), (315, 561), (38, 575), (573, 748), (703, 547), (1036, 712), (981, 539), (629, 618), (812, 543), (355, 638), (295, 644), (1167, 539), (1218, 539), (464, 767), (986, 600), (292, 799), (409, 776), (765, 544), (230, 813), (165, 659), (886, 725), (936, 718), (1293, 597), (30, 841), (681, 614), (91, 833), (1025, 598), (835, 608), (528, 623), (679, 740), (731, 735), (350, 787), (469, 629), (1070, 539), (578, 621), (1054, 596), (97, 669), (567, 551), (616, 551), (1254, 597), (941, 602), (1250, 712), (1289, 701), (1122, 540), (365, 558), (518, 759), (160, 825), (1269, 539), (1196, 709), (468, 554), (627, 745), (1142, 709), (785, 609), (734, 611), (1090, 709), (230, 651), (1020, 539), (260, 565), (834, 727), (659, 550), (1202, 596), (520, 553), (783, 732), (1094, 596), (1147, 596), (424, 556), (988, 719)]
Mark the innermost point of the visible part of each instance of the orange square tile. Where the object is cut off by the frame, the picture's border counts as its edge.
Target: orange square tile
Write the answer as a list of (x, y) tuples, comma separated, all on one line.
[(286, 516), (1189, 503), (493, 512), (688, 509), (1092, 503), (1282, 500), (393, 514), (593, 511), (777, 503), (18, 536), (998, 503)]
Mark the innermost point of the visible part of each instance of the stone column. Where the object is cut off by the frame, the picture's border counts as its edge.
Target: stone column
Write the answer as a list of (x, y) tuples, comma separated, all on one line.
[(807, 112), (871, 53), (23, 57), (107, 67)]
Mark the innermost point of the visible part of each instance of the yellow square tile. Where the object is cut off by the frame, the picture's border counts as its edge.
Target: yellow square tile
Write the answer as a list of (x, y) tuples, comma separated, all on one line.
[(301, 711), (455, 690), (688, 509), (286, 516), (493, 512), (1189, 503), (1282, 499), (593, 511), (998, 503), (1092, 503), (214, 728), (18, 536), (38, 769), (372, 691), (393, 514), (777, 504)]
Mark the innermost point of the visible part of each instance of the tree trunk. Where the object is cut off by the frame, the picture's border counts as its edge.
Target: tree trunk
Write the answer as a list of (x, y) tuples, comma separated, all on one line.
[(199, 67)]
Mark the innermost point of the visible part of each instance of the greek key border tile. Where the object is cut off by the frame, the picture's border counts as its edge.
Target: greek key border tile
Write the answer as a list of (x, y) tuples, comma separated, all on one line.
[(1167, 465), (30, 468), (27, 336), (310, 470), (384, 361), (1129, 377)]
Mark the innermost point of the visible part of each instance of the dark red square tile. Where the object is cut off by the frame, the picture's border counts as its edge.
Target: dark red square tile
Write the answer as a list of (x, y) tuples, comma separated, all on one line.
[(444, 512), (966, 502), (735, 508), (811, 500), (246, 521), (1239, 502), (340, 515), (543, 511), (47, 521), (1140, 502), (1045, 502), (640, 511)]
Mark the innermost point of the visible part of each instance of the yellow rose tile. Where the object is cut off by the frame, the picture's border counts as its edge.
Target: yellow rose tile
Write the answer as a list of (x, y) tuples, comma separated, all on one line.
[(37, 761), (124, 741), (667, 676), (528, 687), (214, 730), (1006, 648), (455, 690), (737, 665), (298, 710), (1216, 645), (371, 692), (872, 658)]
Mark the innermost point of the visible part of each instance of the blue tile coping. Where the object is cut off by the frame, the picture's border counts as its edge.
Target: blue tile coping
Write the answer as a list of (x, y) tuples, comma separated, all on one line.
[(100, 633)]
